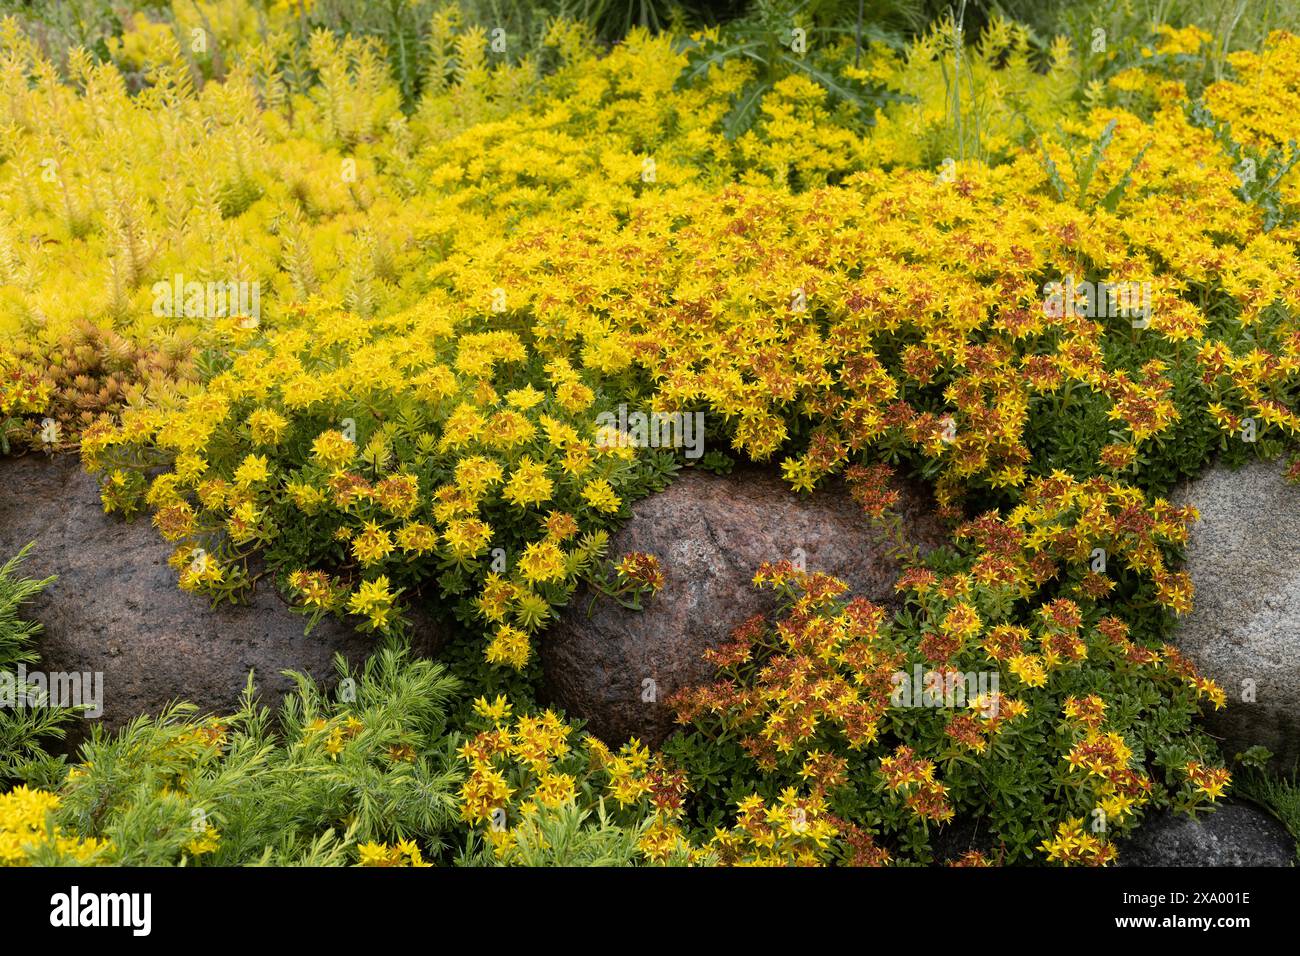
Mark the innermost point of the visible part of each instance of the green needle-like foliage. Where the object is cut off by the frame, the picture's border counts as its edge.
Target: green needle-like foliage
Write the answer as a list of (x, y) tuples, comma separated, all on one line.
[(371, 763)]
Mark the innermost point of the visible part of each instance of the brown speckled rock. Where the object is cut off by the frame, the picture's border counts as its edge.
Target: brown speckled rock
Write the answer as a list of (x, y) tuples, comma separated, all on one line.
[(115, 607), (616, 668)]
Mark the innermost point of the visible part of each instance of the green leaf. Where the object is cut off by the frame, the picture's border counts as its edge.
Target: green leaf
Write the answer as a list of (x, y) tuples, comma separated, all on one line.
[(1110, 202), (744, 111), (702, 59)]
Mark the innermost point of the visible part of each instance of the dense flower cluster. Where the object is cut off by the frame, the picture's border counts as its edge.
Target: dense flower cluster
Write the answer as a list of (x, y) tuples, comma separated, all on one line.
[(893, 312), (367, 352), (827, 697), (26, 832), (525, 765), (405, 853), (793, 831)]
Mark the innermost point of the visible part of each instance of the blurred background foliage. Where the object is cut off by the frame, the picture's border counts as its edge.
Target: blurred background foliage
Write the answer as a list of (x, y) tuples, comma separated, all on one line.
[(1111, 34)]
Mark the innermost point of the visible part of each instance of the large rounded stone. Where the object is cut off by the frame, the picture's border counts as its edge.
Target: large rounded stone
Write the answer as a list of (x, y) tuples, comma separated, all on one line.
[(1244, 628), (1236, 834), (616, 667), (116, 610)]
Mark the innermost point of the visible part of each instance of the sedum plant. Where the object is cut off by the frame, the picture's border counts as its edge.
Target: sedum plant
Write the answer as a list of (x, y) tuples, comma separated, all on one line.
[(456, 438), (537, 789), (963, 729), (457, 289)]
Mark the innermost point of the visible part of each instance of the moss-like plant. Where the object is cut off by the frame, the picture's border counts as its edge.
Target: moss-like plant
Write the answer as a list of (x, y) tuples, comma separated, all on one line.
[(27, 724), (345, 777)]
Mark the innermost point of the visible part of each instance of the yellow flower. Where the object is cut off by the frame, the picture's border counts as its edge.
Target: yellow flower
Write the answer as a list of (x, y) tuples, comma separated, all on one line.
[(416, 538), (1029, 669), (333, 450), (253, 470), (207, 841), (26, 827), (529, 485), (525, 398), (497, 710), (542, 561), (509, 646), (475, 475), (306, 497), (372, 545), (1187, 40), (404, 854), (373, 600), (267, 426), (600, 495), (467, 537)]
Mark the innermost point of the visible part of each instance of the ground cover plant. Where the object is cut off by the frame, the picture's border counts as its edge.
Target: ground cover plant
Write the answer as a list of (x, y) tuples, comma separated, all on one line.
[(25, 731), (343, 304)]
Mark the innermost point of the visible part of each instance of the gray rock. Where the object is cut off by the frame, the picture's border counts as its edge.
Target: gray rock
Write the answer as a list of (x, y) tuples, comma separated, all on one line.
[(1236, 834), (710, 534), (1244, 559), (116, 609)]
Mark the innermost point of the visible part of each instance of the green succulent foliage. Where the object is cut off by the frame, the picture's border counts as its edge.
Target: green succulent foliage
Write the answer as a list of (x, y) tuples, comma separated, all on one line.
[(717, 462), (1111, 34), (86, 23), (400, 24)]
